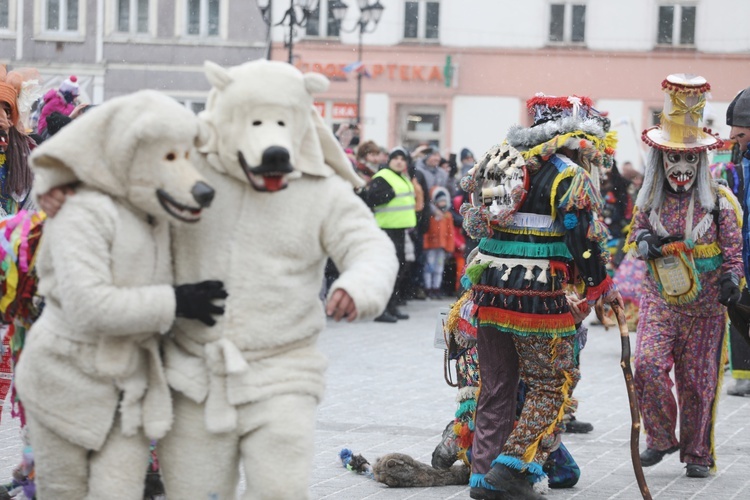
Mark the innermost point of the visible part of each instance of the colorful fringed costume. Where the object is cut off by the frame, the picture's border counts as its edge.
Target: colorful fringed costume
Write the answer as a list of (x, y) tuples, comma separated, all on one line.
[(688, 229), (560, 467), (20, 306), (539, 234)]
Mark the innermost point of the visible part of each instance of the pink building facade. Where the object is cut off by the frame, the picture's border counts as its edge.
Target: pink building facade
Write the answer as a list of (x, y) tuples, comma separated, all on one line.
[(468, 97)]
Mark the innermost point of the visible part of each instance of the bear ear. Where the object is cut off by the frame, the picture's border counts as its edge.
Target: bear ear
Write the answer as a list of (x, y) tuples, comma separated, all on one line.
[(315, 82), (217, 76)]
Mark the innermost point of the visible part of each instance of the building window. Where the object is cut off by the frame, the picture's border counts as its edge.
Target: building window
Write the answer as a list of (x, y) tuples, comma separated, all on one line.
[(132, 16), (203, 17), (567, 23), (676, 25), (194, 105), (318, 25), (61, 15), (4, 14), (422, 20)]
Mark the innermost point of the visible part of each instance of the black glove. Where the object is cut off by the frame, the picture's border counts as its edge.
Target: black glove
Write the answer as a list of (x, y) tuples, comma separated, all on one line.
[(194, 300), (649, 245), (729, 290)]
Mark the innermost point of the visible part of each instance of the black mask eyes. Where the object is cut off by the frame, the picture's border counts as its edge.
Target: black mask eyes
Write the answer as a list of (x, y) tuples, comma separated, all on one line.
[(676, 157)]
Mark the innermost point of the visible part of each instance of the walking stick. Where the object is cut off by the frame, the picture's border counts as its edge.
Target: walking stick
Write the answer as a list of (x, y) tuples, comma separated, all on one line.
[(635, 416)]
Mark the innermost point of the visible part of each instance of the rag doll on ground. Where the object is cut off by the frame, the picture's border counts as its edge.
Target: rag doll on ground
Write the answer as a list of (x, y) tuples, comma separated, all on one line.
[(91, 378)]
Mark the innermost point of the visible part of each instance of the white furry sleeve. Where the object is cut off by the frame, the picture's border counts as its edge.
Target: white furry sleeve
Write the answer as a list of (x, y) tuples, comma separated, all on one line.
[(362, 252), (80, 242)]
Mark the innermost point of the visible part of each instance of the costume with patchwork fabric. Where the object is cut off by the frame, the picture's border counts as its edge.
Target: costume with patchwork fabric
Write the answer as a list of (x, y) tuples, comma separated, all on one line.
[(534, 205), (688, 229)]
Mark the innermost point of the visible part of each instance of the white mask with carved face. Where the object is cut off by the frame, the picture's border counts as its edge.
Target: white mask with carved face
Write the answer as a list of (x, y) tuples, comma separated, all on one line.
[(681, 169)]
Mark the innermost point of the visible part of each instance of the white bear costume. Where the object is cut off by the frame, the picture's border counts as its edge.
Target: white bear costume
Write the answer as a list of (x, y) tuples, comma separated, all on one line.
[(105, 271), (248, 388)]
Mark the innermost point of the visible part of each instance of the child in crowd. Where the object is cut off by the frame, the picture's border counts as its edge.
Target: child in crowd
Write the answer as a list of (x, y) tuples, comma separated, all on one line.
[(439, 240)]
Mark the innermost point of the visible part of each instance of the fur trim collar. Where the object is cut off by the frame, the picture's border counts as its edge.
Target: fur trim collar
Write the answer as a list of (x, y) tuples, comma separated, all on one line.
[(523, 138)]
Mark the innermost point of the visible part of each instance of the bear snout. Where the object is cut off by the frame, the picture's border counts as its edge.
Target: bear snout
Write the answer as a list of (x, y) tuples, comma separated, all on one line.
[(203, 193), (275, 159)]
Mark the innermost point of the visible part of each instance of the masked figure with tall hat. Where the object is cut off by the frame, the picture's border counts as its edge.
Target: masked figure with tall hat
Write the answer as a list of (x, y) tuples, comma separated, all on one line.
[(687, 228)]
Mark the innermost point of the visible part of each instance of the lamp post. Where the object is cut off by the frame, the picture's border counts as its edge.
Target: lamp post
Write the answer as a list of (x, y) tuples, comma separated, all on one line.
[(369, 17), (296, 15)]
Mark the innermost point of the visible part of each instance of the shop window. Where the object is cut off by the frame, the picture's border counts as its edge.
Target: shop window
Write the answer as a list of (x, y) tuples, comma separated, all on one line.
[(567, 23), (132, 16), (322, 22), (422, 20), (676, 25), (421, 125), (61, 15)]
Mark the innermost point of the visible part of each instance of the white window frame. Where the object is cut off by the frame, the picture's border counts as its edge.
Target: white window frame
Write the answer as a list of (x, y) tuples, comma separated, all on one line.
[(113, 21), (421, 22), (40, 24), (181, 20), (677, 24), (567, 21)]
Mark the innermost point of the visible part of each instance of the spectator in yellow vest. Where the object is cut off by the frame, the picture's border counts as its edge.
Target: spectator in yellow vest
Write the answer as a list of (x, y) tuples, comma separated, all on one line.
[(390, 194)]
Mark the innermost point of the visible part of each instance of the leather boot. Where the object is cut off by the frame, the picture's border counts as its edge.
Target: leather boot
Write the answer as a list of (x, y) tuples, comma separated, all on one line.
[(514, 484)]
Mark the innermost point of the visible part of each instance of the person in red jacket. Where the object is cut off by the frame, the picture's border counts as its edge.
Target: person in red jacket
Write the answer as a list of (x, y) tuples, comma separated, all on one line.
[(439, 240)]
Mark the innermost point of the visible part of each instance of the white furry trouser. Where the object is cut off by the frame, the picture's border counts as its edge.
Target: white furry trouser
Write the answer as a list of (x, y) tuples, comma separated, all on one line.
[(65, 471), (274, 440)]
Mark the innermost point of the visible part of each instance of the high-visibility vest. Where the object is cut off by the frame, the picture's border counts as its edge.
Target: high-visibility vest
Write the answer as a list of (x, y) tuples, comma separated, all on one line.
[(399, 212)]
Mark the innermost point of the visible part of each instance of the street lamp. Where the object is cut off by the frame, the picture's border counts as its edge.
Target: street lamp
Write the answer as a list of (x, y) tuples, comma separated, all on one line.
[(369, 17), (297, 14)]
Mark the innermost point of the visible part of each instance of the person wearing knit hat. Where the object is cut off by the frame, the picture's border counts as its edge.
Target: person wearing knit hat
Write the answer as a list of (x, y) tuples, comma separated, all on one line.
[(390, 194), (687, 229), (467, 161), (738, 118), (64, 100)]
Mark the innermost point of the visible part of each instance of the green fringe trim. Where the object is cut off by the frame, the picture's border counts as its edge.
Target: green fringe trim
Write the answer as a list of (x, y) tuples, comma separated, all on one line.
[(525, 249), (524, 333), (474, 273), (468, 406), (708, 265)]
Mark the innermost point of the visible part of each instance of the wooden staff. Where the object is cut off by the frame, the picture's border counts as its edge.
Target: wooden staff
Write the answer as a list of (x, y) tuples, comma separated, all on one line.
[(635, 416)]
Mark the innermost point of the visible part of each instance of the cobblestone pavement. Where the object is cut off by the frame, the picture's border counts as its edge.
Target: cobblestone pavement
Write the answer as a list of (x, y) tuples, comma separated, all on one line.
[(386, 393)]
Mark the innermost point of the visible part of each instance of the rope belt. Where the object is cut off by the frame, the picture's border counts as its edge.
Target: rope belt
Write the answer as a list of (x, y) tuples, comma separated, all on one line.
[(520, 293)]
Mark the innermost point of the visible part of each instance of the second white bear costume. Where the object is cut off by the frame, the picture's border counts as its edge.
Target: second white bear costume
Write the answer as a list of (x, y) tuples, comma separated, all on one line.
[(249, 387), (105, 271)]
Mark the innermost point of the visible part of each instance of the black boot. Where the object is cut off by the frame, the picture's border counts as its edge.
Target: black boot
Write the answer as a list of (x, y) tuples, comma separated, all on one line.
[(514, 484), (652, 457), (396, 312), (574, 426), (446, 453), (386, 317)]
